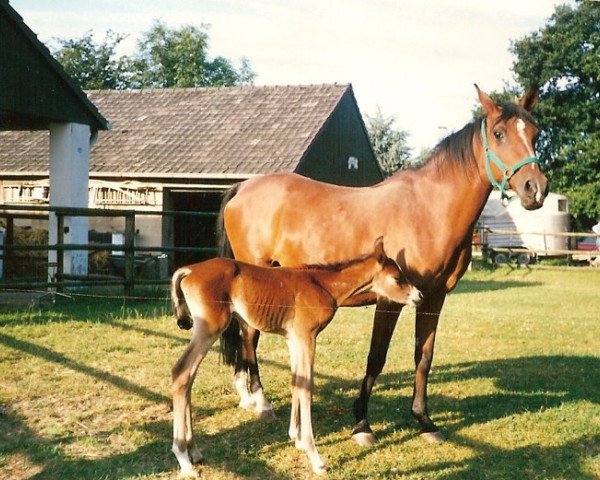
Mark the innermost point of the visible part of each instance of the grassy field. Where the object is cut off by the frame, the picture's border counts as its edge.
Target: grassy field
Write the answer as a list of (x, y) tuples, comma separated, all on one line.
[(85, 391)]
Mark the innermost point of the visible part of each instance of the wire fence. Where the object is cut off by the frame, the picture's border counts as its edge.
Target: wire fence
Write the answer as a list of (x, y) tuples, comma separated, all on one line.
[(28, 264)]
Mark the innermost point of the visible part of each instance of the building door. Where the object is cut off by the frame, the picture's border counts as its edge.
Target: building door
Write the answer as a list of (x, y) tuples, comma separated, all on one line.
[(189, 231)]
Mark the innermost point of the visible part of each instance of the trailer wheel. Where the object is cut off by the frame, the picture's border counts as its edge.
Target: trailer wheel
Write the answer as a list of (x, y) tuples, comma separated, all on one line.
[(500, 258), (523, 259)]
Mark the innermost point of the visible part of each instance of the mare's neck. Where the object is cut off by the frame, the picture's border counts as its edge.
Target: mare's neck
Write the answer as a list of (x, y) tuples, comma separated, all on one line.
[(357, 276), (454, 189)]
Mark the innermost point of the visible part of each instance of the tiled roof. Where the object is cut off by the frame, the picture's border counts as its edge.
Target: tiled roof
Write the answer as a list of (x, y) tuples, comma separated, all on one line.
[(193, 132)]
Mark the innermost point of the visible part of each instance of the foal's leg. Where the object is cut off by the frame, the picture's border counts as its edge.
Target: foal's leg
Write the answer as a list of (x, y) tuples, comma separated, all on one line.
[(305, 353), (183, 374), (294, 430), (386, 317), (426, 323)]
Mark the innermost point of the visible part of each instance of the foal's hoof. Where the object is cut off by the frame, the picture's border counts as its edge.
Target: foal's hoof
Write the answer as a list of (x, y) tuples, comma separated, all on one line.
[(320, 469), (363, 435), (433, 437), (189, 473)]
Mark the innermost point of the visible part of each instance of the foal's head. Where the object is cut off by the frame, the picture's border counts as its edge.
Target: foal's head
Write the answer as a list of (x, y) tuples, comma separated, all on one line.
[(508, 134), (390, 281)]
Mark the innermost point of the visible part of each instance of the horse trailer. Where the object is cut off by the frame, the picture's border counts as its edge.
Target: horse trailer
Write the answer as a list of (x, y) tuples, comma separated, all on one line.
[(511, 231)]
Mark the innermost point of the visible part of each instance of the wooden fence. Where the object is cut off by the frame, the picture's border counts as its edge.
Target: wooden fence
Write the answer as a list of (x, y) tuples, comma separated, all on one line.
[(61, 280)]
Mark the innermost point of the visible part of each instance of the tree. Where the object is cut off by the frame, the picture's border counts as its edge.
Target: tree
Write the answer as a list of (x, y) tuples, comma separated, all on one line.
[(165, 58), (390, 145), (94, 65), (563, 58)]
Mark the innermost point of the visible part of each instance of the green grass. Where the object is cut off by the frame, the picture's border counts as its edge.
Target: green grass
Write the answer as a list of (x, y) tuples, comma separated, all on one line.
[(85, 391)]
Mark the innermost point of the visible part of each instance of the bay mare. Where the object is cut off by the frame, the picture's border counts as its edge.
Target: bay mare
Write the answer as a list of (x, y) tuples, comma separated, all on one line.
[(425, 215), (295, 303)]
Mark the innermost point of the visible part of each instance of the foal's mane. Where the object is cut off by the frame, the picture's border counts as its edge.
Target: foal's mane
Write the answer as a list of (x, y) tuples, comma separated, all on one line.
[(457, 148)]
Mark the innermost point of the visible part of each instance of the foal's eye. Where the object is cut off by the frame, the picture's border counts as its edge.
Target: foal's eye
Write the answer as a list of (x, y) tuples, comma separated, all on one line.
[(499, 134)]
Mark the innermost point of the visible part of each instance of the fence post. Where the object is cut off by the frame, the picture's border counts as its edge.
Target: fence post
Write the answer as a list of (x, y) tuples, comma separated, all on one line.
[(9, 241), (60, 252), (129, 253)]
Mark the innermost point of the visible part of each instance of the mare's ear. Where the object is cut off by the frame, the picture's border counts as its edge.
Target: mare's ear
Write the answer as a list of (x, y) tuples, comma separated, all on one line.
[(530, 99), (489, 106), (379, 251)]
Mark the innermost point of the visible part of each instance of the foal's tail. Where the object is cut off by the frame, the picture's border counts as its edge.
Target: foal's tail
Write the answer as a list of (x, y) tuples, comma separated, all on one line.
[(230, 338), (180, 307)]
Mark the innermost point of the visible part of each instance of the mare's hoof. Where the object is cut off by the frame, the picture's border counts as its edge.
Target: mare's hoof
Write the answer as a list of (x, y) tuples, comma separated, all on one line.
[(196, 456), (320, 469), (364, 439), (433, 437), (266, 415), (363, 435), (247, 404)]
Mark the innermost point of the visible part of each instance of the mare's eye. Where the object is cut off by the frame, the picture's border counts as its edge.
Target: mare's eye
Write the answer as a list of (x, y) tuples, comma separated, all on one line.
[(499, 135)]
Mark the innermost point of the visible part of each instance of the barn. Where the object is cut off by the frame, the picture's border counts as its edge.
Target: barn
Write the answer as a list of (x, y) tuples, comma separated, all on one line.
[(38, 98), (179, 149)]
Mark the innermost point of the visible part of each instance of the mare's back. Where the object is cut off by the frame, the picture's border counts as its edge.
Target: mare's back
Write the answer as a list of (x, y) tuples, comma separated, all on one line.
[(293, 220)]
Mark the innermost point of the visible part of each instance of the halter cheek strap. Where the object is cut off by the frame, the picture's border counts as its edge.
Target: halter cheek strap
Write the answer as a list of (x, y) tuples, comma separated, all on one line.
[(507, 172)]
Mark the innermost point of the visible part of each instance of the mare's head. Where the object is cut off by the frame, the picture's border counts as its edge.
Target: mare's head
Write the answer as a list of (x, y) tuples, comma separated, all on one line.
[(508, 135), (390, 281)]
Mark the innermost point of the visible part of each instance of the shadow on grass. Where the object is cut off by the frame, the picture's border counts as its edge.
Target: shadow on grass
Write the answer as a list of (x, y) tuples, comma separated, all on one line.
[(467, 285), (525, 385)]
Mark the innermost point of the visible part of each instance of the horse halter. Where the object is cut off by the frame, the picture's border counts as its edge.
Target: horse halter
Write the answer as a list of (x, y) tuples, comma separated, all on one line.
[(508, 172)]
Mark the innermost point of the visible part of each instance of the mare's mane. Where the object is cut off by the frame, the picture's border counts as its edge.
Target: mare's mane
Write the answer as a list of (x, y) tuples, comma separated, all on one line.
[(457, 148)]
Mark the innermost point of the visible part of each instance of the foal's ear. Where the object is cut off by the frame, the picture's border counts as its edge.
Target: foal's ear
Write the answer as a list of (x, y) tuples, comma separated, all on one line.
[(379, 251), (530, 99), (489, 106)]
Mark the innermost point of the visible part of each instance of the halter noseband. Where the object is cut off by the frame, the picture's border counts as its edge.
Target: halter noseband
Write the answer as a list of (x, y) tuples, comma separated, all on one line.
[(508, 172)]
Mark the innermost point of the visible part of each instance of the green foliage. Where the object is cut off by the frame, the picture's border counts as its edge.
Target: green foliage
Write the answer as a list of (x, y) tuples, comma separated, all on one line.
[(165, 58), (94, 65), (564, 58), (390, 144)]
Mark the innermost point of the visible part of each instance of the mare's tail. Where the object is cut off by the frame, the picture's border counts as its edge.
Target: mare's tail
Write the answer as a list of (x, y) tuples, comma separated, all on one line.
[(230, 338), (180, 307), (223, 245)]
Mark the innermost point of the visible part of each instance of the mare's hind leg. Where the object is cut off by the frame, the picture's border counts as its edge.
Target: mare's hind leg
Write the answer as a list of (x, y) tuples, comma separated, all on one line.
[(183, 375), (426, 323), (386, 317), (240, 376), (250, 337)]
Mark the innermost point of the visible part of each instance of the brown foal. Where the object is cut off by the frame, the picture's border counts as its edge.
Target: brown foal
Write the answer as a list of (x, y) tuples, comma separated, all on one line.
[(295, 303)]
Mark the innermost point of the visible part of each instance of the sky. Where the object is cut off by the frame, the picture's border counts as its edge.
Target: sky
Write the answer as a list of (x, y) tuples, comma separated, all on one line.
[(416, 60)]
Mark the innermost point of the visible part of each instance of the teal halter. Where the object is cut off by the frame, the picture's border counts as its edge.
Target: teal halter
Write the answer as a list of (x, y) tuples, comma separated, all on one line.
[(508, 172)]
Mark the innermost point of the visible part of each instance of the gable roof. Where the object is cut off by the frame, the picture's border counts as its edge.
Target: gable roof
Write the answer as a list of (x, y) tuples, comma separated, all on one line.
[(34, 88), (195, 132)]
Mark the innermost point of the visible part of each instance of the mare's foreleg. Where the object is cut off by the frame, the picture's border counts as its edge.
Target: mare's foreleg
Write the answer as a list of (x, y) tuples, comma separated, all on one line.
[(426, 323), (386, 317), (183, 375)]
